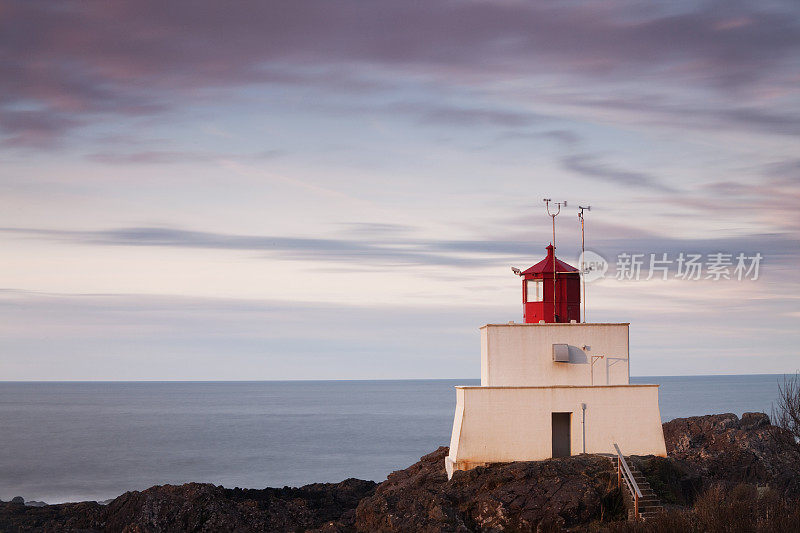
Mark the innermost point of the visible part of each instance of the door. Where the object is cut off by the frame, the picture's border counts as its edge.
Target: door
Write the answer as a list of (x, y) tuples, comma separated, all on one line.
[(561, 434)]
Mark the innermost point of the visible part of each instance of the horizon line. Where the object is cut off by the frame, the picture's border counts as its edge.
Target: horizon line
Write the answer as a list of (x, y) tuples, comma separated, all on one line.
[(289, 380)]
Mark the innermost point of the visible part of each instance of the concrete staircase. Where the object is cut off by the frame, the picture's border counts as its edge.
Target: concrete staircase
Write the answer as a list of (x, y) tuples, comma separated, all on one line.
[(649, 504)]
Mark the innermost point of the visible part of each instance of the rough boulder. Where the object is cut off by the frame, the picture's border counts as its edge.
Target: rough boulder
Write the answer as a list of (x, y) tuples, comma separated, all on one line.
[(726, 448), (522, 496)]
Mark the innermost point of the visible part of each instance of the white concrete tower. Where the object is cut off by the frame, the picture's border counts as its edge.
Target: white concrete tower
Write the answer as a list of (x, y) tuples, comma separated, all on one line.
[(553, 390)]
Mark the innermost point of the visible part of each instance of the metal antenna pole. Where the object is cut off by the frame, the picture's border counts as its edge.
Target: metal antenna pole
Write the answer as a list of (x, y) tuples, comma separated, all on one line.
[(553, 216), (581, 209)]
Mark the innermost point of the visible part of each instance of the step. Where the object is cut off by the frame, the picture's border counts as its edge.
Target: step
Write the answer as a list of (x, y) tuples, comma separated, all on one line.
[(643, 508), (654, 509), (643, 494), (643, 504), (646, 494), (644, 498), (649, 503), (645, 516), (651, 510)]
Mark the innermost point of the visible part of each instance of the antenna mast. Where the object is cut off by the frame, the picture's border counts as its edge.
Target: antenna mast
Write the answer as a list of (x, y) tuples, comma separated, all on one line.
[(559, 205), (581, 209)]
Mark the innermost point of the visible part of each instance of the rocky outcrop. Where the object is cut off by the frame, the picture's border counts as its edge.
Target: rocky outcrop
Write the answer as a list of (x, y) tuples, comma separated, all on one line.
[(725, 448), (204, 507), (84, 516), (201, 507), (576, 492), (522, 496)]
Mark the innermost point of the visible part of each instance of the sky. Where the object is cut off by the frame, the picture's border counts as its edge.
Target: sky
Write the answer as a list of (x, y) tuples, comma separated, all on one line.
[(337, 190)]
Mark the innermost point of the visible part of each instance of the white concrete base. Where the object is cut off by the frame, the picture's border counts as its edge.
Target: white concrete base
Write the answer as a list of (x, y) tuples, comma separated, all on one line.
[(451, 466), (504, 424)]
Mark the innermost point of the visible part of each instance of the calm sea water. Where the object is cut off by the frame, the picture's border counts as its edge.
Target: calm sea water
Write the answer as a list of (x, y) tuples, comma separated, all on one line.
[(93, 441)]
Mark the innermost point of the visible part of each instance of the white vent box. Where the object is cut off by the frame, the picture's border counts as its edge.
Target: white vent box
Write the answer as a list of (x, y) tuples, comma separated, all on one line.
[(561, 353)]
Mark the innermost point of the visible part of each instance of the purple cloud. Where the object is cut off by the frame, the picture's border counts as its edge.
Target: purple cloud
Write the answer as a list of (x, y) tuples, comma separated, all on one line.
[(389, 246), (35, 128), (79, 62)]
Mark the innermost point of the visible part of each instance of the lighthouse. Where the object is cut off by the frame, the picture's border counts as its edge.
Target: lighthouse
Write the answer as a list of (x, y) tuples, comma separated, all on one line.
[(553, 386), (551, 291)]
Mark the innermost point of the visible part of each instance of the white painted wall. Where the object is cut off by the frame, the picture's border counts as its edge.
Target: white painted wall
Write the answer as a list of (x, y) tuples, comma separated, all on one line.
[(502, 424), (522, 354)]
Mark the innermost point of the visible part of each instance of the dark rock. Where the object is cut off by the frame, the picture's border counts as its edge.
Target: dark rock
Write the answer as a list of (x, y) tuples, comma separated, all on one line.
[(205, 507), (200, 507), (18, 500), (751, 421), (34, 503), (514, 496), (324, 505), (724, 448), (192, 507), (84, 516)]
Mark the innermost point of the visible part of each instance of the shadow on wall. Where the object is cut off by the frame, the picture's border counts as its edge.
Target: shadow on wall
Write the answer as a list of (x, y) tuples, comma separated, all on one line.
[(611, 361), (577, 355)]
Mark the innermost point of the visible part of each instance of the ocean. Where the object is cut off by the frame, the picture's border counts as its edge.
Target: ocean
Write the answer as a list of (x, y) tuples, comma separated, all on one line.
[(72, 441)]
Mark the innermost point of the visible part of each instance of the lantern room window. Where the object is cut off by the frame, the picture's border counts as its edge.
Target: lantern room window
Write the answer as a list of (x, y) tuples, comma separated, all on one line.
[(535, 290)]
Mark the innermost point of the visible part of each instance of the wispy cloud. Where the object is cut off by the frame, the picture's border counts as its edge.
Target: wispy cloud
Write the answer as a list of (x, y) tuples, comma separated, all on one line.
[(381, 246), (429, 124), (699, 115), (395, 252), (40, 129), (245, 170), (76, 62), (161, 157), (437, 113), (591, 167), (134, 336)]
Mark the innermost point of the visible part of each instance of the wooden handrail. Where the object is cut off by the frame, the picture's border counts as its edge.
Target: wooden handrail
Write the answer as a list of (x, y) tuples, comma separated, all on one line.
[(624, 473)]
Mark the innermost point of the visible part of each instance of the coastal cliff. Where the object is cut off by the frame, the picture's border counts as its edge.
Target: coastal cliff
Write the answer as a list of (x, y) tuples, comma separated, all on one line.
[(716, 455)]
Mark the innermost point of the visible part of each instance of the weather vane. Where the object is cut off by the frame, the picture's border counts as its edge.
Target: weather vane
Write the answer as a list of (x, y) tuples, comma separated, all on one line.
[(558, 205), (581, 209)]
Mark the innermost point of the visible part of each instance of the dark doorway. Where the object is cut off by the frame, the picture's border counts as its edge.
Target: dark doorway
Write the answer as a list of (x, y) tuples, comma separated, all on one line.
[(561, 434)]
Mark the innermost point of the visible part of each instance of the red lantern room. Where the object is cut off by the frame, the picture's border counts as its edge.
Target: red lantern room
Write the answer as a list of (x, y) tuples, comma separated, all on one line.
[(539, 302)]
